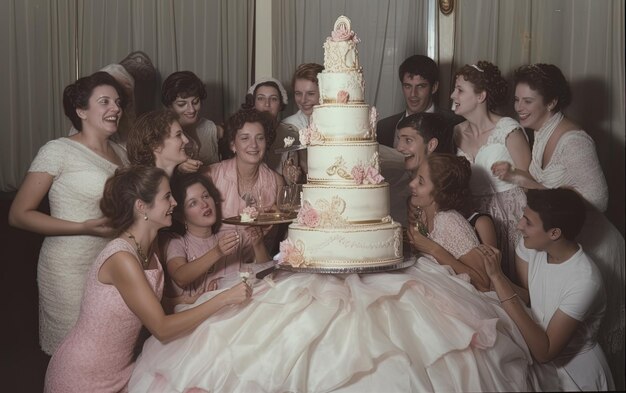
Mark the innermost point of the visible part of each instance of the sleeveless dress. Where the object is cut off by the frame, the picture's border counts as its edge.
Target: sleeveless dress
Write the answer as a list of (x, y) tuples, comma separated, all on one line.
[(503, 201), (79, 177), (574, 164), (224, 176), (97, 355), (412, 330)]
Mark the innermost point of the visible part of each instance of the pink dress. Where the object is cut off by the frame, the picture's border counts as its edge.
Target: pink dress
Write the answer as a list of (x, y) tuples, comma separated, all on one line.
[(97, 354), (224, 175), (191, 248)]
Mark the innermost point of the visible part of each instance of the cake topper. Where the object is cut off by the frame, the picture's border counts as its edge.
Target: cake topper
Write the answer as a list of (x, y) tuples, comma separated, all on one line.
[(342, 30)]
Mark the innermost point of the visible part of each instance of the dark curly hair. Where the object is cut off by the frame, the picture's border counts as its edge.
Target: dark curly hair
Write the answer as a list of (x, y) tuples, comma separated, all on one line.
[(180, 184), (76, 95), (486, 76), (250, 98), (147, 134), (181, 84), (243, 116), (559, 208), (127, 185), (450, 175), (548, 81)]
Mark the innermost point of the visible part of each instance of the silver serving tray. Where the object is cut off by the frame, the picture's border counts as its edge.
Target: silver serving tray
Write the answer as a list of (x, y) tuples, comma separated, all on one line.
[(348, 269)]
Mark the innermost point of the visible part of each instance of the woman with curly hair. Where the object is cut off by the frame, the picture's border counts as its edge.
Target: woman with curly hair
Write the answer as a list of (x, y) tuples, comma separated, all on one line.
[(157, 139), (440, 190), (246, 180), (484, 138)]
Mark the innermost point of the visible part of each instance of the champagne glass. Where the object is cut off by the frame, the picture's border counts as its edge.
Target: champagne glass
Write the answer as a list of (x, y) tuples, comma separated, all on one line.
[(285, 199), (296, 197)]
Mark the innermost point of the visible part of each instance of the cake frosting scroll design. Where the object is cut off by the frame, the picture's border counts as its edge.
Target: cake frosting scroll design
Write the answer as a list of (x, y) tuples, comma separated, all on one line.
[(330, 212), (339, 168), (292, 253)]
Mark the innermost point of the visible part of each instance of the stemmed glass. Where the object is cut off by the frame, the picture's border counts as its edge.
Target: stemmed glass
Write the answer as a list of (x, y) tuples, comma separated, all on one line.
[(285, 199)]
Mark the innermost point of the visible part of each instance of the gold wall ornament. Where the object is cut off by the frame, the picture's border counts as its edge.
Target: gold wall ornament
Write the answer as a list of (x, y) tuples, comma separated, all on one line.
[(446, 6)]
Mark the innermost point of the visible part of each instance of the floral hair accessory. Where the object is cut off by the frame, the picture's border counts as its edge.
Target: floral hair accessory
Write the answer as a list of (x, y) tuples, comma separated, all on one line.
[(289, 140)]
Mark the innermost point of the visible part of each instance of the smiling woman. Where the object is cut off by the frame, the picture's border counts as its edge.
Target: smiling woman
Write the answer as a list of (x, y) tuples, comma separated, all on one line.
[(72, 172)]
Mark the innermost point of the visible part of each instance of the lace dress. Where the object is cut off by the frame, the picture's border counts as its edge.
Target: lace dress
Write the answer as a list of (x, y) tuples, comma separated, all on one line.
[(418, 329), (503, 201), (79, 177), (97, 355), (574, 164)]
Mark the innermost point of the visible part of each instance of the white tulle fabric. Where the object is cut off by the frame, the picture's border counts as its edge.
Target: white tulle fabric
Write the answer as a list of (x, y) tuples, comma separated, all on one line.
[(574, 164), (416, 330), (79, 177)]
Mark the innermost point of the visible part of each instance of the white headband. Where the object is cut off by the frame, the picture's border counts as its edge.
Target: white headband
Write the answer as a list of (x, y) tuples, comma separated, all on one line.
[(259, 81), (476, 67)]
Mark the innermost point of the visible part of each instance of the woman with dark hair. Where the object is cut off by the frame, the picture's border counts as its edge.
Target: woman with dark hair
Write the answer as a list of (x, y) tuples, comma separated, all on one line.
[(564, 155), (196, 257), (157, 139), (72, 172), (246, 181), (484, 138), (440, 191), (183, 93), (123, 290)]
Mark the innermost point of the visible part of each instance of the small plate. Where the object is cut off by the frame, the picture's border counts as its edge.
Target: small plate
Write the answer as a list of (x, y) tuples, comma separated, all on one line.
[(263, 219)]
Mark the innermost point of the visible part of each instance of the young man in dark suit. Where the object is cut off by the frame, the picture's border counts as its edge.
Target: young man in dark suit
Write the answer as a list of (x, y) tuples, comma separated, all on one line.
[(419, 76)]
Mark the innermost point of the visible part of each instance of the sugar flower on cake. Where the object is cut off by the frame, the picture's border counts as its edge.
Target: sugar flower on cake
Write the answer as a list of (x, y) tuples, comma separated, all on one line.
[(343, 97), (310, 135), (308, 216), (289, 140), (292, 253), (373, 118), (342, 32), (249, 214), (366, 174)]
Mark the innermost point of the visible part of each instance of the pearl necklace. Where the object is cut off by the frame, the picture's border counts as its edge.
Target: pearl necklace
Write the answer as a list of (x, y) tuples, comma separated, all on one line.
[(140, 253)]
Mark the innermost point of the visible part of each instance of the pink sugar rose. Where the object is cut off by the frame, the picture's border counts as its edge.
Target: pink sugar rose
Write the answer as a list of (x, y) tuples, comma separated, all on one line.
[(343, 97), (251, 211), (372, 176), (305, 136), (308, 216), (290, 255), (358, 174)]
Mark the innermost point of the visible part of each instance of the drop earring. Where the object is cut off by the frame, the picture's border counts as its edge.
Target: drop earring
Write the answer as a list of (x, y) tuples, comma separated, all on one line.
[(145, 216)]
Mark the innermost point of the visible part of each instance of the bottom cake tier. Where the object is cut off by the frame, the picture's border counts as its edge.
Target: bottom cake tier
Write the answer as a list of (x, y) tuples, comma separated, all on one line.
[(347, 249)]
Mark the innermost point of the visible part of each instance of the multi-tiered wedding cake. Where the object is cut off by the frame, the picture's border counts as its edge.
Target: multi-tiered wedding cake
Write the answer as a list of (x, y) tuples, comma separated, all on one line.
[(344, 222)]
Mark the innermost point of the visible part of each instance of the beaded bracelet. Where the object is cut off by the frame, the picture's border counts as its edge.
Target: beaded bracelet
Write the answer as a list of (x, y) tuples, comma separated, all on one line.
[(508, 298)]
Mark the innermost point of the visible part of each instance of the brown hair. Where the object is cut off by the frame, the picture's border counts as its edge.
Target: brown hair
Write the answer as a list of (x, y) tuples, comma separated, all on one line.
[(181, 84), (77, 94), (180, 184), (548, 81), (307, 71), (243, 116), (486, 76), (450, 175), (147, 134), (127, 185)]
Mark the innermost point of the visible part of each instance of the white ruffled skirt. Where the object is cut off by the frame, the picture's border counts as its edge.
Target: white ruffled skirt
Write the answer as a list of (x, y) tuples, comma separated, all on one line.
[(414, 330)]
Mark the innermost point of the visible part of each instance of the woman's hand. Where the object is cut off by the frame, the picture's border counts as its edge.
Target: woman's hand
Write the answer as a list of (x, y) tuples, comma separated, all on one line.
[(256, 233), (227, 244), (503, 170), (98, 227), (491, 260), (420, 242), (237, 294), (189, 166)]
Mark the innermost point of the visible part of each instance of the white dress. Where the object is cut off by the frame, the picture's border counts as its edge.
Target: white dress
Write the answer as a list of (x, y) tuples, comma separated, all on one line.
[(79, 177), (503, 201), (574, 164), (207, 133), (574, 287), (414, 330)]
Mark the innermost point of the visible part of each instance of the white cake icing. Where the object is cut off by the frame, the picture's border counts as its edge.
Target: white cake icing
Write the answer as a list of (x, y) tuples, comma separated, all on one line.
[(333, 162), (344, 220), (365, 204), (348, 122), (331, 83)]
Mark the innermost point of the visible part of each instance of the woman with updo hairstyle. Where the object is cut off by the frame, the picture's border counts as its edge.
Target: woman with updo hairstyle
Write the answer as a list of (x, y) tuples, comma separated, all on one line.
[(123, 290), (72, 172), (485, 138), (440, 190), (157, 139), (246, 181), (564, 155), (183, 93)]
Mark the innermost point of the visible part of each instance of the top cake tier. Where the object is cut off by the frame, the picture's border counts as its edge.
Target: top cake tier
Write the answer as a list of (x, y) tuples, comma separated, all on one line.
[(340, 52)]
